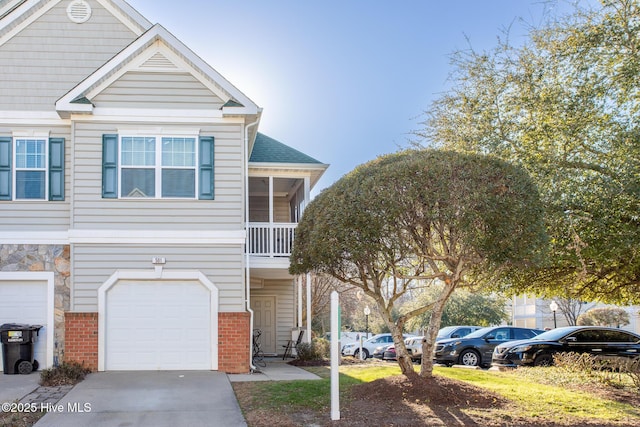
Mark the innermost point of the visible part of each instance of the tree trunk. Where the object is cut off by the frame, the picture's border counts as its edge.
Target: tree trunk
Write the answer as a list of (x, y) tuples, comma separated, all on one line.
[(404, 360), (429, 341), (406, 366)]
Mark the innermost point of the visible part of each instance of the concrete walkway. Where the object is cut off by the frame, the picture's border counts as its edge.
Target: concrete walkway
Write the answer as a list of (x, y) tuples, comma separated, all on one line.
[(15, 387), (276, 370)]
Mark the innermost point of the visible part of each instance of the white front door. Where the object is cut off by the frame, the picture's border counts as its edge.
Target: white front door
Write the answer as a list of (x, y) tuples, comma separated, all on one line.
[(162, 325), (264, 318)]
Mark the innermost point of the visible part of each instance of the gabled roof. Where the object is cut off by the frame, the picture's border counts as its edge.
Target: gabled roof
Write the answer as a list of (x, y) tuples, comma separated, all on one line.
[(17, 14), (269, 150), (79, 98)]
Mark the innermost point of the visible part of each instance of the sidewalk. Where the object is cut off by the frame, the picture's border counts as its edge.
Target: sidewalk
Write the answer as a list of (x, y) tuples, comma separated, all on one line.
[(276, 370)]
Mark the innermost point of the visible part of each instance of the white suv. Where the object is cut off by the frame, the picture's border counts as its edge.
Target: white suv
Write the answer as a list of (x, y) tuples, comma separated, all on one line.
[(368, 346)]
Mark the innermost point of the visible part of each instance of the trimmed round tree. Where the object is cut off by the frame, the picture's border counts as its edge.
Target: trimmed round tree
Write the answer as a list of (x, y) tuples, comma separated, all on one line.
[(422, 218)]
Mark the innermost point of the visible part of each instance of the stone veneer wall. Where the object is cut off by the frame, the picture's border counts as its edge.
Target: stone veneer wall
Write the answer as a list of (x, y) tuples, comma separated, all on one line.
[(54, 258)]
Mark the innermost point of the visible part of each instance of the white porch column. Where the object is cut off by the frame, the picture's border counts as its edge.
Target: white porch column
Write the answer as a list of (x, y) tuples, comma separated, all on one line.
[(271, 233), (299, 320), (307, 192)]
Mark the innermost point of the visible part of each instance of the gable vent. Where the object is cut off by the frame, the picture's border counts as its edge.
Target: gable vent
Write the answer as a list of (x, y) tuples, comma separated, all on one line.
[(158, 61), (79, 11)]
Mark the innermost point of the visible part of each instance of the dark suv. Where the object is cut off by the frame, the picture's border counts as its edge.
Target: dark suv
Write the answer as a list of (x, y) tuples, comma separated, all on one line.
[(539, 351), (476, 348)]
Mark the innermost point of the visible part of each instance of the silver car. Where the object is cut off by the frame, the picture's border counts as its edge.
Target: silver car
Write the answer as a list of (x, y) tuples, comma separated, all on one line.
[(414, 345)]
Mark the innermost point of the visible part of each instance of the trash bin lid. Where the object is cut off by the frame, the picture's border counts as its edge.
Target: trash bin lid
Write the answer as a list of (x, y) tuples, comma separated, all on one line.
[(19, 327)]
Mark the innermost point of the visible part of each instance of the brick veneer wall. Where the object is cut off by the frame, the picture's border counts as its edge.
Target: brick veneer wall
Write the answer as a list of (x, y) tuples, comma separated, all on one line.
[(81, 336), (233, 342)]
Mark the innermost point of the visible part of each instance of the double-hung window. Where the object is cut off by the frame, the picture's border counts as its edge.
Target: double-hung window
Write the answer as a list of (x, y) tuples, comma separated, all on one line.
[(31, 168), (157, 167)]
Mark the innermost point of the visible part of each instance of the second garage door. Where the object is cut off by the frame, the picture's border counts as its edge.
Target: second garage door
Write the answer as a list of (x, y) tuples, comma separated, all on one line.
[(158, 326)]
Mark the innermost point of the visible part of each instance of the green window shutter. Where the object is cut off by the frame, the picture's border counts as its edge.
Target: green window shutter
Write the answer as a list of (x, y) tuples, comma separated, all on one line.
[(56, 169), (6, 179), (109, 166), (205, 164)]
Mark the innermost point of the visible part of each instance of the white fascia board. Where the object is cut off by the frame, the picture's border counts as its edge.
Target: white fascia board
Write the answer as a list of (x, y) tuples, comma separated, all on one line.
[(32, 118), (148, 113), (8, 6), (130, 17), (34, 237), (279, 263), (285, 166), (158, 237), (235, 93), (22, 11), (156, 116)]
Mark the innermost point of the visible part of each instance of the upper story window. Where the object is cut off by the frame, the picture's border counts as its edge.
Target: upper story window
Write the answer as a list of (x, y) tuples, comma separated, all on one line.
[(31, 168), (157, 167)]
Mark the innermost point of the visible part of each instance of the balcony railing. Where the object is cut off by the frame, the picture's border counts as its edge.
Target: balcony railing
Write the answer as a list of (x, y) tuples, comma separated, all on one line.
[(271, 239)]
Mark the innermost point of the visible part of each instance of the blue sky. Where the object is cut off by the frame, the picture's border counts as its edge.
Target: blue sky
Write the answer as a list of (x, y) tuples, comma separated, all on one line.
[(342, 81)]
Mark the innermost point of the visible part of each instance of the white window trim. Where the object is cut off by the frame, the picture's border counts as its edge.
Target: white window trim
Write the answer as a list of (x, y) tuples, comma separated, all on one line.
[(158, 135), (15, 169)]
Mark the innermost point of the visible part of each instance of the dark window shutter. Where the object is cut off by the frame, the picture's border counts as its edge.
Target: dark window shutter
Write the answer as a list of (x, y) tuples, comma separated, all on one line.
[(110, 166), (56, 169), (6, 179), (205, 164)]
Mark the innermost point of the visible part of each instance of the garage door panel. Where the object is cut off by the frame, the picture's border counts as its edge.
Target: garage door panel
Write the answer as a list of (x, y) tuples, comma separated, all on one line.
[(158, 326), (26, 302)]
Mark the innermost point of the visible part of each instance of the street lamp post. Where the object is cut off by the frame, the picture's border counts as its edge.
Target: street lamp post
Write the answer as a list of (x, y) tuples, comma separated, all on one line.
[(367, 312), (554, 307)]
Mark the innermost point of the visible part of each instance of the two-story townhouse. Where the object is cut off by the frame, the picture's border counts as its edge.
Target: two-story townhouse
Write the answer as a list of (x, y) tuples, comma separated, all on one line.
[(144, 220)]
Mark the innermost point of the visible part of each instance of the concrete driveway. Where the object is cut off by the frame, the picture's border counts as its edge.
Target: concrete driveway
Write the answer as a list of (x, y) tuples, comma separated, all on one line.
[(153, 398), (15, 387)]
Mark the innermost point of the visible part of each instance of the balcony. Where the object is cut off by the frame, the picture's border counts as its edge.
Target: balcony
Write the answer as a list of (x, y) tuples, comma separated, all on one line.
[(271, 239)]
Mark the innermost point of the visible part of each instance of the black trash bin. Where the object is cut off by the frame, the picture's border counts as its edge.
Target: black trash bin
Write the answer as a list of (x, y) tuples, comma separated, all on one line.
[(17, 348)]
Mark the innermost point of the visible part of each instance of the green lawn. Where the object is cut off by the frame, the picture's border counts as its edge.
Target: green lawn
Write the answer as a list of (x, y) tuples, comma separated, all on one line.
[(530, 398)]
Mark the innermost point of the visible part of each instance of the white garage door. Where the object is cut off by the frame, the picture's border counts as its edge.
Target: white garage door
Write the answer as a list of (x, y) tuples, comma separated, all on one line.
[(158, 326), (26, 302)]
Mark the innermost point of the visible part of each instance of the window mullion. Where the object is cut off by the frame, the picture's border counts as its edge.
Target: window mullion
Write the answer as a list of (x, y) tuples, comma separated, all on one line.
[(158, 167)]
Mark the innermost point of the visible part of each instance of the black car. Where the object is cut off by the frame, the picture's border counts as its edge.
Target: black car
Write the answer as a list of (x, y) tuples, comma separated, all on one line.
[(539, 351), (476, 348)]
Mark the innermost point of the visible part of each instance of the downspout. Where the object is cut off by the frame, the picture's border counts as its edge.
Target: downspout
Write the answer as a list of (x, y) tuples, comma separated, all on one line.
[(247, 276)]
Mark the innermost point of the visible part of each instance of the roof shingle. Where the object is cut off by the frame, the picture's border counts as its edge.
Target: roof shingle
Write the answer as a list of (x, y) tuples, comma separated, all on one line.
[(268, 150)]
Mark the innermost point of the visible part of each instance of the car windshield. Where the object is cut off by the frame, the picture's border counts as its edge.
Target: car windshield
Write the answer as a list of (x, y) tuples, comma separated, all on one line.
[(445, 331), (553, 334), (479, 333)]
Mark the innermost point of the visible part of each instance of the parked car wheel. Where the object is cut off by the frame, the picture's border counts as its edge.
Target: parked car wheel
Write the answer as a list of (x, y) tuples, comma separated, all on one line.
[(365, 354), (543, 360), (469, 358)]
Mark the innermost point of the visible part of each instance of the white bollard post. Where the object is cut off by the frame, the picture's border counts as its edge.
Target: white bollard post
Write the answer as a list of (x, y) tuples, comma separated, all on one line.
[(335, 355)]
